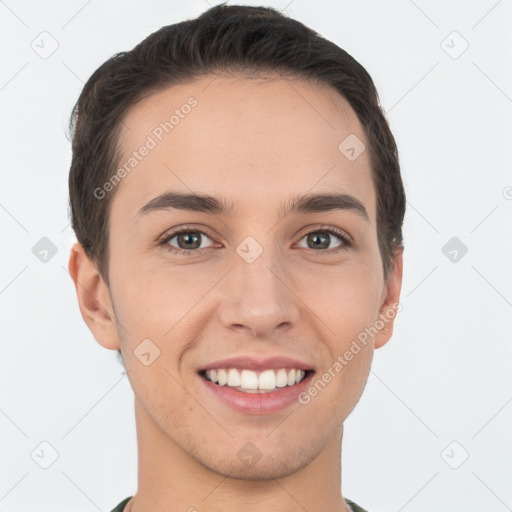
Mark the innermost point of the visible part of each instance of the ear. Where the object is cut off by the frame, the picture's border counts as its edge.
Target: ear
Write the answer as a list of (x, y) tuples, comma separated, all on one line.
[(93, 298), (390, 300)]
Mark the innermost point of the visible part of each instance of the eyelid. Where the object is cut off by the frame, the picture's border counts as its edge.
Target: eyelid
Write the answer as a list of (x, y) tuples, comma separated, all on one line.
[(326, 227)]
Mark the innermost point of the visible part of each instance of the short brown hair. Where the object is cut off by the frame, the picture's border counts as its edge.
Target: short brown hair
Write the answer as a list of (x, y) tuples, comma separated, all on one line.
[(225, 38)]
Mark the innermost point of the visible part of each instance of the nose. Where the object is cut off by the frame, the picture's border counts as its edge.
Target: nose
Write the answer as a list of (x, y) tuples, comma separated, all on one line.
[(261, 298)]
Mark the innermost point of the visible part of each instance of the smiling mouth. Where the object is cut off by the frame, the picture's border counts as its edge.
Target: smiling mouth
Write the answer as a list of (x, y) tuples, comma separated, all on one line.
[(249, 381)]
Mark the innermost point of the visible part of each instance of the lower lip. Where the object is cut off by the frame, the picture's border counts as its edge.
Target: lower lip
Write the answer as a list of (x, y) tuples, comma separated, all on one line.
[(258, 403)]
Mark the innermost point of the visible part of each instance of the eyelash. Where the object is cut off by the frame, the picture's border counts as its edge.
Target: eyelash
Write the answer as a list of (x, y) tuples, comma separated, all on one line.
[(324, 229)]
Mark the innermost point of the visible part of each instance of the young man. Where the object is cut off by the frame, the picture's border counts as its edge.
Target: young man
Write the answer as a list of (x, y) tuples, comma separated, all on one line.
[(237, 199)]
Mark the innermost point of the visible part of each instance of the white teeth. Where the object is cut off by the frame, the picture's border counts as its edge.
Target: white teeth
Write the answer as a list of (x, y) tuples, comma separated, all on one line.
[(267, 380), (233, 378), (281, 378), (222, 376), (247, 379)]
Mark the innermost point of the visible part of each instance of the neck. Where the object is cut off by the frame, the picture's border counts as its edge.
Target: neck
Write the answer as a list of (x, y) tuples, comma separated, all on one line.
[(171, 479)]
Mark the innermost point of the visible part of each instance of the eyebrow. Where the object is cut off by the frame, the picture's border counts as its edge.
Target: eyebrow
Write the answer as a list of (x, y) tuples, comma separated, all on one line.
[(300, 204)]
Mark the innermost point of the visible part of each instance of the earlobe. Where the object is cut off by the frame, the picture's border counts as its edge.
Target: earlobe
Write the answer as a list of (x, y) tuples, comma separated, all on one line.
[(93, 298), (390, 305)]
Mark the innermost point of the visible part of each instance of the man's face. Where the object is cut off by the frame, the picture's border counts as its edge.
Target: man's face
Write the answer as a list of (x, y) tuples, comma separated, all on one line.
[(261, 281)]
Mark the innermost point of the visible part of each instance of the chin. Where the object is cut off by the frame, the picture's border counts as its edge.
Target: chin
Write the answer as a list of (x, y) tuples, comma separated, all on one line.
[(276, 464), (260, 471)]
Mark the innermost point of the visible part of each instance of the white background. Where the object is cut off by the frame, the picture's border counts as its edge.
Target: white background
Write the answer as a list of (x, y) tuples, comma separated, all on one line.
[(446, 374)]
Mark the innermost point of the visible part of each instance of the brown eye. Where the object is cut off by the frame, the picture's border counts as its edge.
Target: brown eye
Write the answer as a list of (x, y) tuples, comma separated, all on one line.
[(190, 240), (187, 241), (321, 240)]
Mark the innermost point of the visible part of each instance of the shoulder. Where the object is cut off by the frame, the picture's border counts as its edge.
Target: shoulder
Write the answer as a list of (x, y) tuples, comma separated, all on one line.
[(354, 506), (120, 506)]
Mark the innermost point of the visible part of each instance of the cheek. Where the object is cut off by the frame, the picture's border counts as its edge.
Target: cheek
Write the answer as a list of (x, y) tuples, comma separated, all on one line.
[(167, 303), (347, 298), (157, 296), (347, 304)]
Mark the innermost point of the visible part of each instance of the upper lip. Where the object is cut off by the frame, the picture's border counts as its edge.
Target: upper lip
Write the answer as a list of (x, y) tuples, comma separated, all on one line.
[(258, 364)]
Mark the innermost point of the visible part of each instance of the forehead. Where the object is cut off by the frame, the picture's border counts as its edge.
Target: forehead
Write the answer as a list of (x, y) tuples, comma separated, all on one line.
[(252, 141)]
